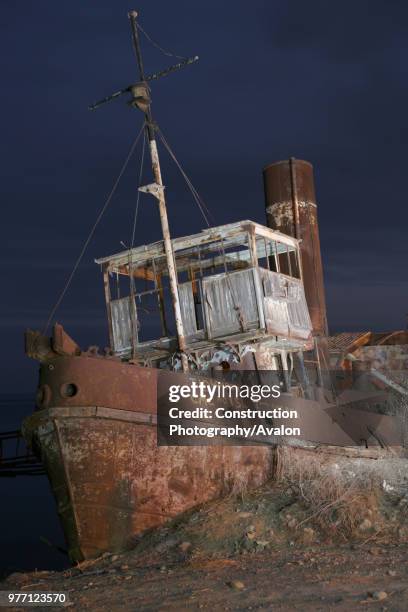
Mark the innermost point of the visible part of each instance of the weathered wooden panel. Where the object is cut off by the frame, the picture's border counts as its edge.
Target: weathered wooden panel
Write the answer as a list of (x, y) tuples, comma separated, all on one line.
[(187, 307), (274, 285), (230, 303), (299, 318), (276, 317), (285, 307), (121, 324)]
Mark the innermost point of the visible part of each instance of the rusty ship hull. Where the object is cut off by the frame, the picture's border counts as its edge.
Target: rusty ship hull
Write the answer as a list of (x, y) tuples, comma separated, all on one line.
[(110, 479), (97, 438)]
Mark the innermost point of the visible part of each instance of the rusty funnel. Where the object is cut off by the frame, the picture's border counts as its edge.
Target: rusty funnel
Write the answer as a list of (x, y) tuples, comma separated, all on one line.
[(291, 208)]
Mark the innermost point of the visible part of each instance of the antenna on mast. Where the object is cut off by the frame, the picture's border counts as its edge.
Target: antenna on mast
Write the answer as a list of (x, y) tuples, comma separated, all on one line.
[(151, 77), (139, 92), (141, 99)]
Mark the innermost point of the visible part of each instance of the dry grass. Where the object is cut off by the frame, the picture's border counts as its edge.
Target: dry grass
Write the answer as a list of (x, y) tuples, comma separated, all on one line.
[(336, 494)]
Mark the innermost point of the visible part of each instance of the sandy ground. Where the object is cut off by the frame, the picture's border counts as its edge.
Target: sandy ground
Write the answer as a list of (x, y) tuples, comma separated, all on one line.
[(313, 578), (294, 545)]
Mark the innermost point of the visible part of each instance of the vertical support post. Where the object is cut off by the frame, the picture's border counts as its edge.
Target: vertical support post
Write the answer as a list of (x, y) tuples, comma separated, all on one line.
[(199, 260), (133, 312), (108, 303), (319, 367), (299, 262), (191, 277), (117, 286), (304, 375), (284, 361), (276, 255), (161, 305), (252, 247), (158, 283), (134, 323), (289, 262), (223, 256), (268, 263)]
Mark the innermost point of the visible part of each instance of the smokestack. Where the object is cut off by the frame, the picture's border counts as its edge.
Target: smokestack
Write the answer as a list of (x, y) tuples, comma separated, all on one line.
[(291, 208)]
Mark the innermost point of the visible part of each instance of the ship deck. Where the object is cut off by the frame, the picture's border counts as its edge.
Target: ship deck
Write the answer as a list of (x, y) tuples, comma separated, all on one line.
[(163, 348)]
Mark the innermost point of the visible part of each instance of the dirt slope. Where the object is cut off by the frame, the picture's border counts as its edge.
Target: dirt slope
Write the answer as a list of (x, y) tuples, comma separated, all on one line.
[(272, 549)]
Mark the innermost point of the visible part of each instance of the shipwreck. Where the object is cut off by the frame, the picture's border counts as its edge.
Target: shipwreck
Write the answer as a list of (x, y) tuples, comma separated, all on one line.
[(240, 296)]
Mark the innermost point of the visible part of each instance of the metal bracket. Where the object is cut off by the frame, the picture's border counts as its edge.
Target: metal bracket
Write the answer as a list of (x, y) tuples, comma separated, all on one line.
[(154, 189)]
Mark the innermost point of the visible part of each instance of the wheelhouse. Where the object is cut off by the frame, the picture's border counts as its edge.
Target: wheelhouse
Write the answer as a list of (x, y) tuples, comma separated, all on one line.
[(236, 282)]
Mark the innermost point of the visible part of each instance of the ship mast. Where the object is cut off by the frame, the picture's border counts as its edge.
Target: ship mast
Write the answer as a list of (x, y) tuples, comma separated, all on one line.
[(157, 189)]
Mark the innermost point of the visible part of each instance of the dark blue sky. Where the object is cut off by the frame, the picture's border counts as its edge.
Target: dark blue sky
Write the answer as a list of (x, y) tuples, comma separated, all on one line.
[(323, 81)]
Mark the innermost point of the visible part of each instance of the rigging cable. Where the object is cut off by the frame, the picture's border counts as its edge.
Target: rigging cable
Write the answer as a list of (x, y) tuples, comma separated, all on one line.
[(134, 327), (155, 44), (91, 233), (138, 193), (198, 199)]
